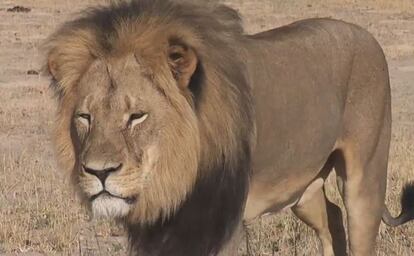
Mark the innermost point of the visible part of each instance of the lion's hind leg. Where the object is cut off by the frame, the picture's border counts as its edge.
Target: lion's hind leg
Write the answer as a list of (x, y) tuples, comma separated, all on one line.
[(364, 185), (325, 218)]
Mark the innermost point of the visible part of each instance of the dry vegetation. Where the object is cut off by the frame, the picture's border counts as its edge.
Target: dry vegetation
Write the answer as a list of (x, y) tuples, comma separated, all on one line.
[(39, 213)]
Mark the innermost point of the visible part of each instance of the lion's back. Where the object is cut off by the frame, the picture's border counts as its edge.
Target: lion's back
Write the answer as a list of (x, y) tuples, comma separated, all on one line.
[(302, 75)]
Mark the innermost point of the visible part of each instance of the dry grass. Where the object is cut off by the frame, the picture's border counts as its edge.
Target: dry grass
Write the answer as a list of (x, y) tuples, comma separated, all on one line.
[(39, 213), (402, 5), (34, 207)]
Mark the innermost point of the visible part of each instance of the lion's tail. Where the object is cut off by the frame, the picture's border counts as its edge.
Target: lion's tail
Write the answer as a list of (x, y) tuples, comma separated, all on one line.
[(407, 208)]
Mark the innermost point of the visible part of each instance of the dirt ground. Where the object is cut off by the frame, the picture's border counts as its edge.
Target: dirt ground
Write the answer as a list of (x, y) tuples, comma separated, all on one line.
[(39, 215)]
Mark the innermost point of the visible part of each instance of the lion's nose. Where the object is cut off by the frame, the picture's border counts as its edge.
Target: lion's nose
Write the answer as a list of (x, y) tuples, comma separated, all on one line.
[(102, 174)]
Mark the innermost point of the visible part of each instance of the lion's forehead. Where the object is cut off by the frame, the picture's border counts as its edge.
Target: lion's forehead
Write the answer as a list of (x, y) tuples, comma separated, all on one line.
[(116, 85)]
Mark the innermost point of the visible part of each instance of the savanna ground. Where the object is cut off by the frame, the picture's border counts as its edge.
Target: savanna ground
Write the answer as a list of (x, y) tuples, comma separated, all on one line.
[(39, 214)]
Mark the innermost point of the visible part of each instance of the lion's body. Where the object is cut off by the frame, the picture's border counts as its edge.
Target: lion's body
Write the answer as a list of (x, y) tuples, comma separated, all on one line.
[(317, 79), (226, 125), (321, 89)]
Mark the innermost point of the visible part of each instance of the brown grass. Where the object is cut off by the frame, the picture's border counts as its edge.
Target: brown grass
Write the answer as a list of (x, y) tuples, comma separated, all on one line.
[(39, 213)]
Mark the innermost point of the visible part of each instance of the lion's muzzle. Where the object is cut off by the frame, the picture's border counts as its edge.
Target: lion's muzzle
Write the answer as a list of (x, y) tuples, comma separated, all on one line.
[(102, 174), (104, 201)]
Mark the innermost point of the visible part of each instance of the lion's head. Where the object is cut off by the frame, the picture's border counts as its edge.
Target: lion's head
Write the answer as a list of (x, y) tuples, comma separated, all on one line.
[(130, 141), (153, 99)]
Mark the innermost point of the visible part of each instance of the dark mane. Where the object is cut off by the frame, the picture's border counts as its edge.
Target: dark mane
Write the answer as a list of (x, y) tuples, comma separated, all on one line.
[(205, 19), (213, 23)]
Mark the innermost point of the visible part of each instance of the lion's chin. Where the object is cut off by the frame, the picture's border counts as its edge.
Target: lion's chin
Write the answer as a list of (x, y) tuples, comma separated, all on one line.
[(110, 207)]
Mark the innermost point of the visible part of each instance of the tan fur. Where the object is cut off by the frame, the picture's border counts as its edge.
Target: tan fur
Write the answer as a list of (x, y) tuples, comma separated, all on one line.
[(298, 100)]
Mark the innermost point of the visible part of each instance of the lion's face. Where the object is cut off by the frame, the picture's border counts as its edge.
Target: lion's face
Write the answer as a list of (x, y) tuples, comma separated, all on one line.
[(120, 123), (118, 118)]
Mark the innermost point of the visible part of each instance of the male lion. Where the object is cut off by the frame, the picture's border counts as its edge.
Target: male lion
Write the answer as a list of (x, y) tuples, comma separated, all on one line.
[(172, 119)]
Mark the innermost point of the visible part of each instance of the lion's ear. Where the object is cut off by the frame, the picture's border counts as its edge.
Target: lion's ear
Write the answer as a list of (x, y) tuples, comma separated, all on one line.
[(183, 62), (66, 64)]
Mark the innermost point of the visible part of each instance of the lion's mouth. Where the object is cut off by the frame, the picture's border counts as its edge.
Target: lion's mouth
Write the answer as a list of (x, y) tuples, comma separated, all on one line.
[(128, 200)]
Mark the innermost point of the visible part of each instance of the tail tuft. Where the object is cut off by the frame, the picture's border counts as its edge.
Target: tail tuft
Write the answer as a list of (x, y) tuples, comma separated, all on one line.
[(407, 208), (407, 198)]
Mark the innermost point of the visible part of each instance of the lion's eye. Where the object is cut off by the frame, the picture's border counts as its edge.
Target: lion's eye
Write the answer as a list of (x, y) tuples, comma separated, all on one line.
[(85, 119), (136, 118)]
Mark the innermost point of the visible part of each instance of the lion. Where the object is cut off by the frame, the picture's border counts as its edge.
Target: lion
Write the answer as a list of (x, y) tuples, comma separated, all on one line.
[(174, 121)]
